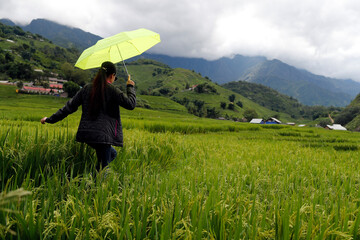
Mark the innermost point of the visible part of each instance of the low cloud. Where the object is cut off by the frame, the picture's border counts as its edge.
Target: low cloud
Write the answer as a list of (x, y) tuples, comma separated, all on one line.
[(320, 36)]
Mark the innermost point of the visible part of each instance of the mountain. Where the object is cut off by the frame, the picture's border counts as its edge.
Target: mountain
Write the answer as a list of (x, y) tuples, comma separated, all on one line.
[(220, 71), (198, 94), (308, 88), (8, 22), (267, 97), (61, 35)]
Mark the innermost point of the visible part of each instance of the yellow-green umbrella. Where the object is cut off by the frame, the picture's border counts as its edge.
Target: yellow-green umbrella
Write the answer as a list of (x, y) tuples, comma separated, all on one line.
[(118, 48)]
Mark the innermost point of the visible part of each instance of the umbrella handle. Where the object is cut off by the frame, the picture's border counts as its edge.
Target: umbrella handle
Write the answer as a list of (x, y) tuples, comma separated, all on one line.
[(125, 68), (122, 60)]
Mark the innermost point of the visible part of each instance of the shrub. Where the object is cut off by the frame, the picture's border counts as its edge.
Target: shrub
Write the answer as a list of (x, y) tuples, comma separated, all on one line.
[(250, 114), (231, 106), (223, 105), (239, 103), (71, 88)]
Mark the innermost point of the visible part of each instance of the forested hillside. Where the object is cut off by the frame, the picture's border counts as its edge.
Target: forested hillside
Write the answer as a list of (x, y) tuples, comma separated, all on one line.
[(198, 94), (350, 116), (30, 57), (27, 56), (272, 99)]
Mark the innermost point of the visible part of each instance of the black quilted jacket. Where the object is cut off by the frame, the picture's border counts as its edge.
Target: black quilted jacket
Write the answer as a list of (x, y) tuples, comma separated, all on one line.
[(106, 128)]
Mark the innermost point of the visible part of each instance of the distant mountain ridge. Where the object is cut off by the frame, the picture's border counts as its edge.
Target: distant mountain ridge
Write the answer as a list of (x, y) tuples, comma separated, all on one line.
[(222, 70), (308, 88), (61, 35), (267, 97), (7, 22)]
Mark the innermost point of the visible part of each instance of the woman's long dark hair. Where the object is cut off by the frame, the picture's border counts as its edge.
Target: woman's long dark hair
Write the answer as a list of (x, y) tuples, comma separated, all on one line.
[(97, 95)]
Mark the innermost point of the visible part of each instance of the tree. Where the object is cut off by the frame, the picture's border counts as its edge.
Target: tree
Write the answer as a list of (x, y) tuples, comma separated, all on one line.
[(20, 71), (81, 77), (205, 88), (223, 105), (19, 31), (347, 115), (325, 122), (231, 106), (45, 84), (164, 90), (76, 75), (9, 58), (26, 55), (199, 88), (20, 84), (71, 88), (212, 113), (199, 104), (250, 114), (239, 103), (67, 69), (232, 98)]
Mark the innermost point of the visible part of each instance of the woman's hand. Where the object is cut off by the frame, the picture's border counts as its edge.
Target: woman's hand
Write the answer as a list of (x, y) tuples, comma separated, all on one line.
[(129, 81), (43, 120)]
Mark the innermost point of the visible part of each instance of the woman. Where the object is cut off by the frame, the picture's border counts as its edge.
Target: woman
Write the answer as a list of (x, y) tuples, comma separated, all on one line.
[(100, 124)]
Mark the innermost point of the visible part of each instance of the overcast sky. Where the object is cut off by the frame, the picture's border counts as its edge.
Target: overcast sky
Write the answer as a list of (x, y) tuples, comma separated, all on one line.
[(321, 36)]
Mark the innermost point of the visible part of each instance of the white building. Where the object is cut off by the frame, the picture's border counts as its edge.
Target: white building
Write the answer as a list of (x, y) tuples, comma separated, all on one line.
[(336, 127), (257, 121)]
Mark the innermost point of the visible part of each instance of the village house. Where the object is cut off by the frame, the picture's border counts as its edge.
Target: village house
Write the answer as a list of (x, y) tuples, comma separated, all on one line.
[(55, 88), (272, 120), (39, 90), (335, 127), (257, 121), (53, 80), (268, 121), (193, 87)]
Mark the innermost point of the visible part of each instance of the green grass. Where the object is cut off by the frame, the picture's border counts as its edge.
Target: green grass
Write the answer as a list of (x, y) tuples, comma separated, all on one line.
[(178, 177), (176, 83), (163, 104)]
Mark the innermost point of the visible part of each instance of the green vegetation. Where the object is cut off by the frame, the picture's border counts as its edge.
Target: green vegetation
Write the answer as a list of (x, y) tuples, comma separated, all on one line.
[(23, 52), (71, 88), (177, 177), (349, 116), (197, 94), (278, 102)]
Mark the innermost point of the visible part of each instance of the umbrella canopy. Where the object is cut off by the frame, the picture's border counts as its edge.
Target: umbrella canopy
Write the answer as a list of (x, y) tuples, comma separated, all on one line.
[(118, 48)]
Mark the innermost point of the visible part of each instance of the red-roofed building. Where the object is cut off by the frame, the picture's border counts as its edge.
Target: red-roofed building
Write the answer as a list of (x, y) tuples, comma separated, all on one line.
[(39, 90), (56, 86)]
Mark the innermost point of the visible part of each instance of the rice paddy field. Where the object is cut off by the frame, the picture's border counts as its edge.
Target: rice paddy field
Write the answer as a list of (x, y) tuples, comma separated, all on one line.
[(177, 177)]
